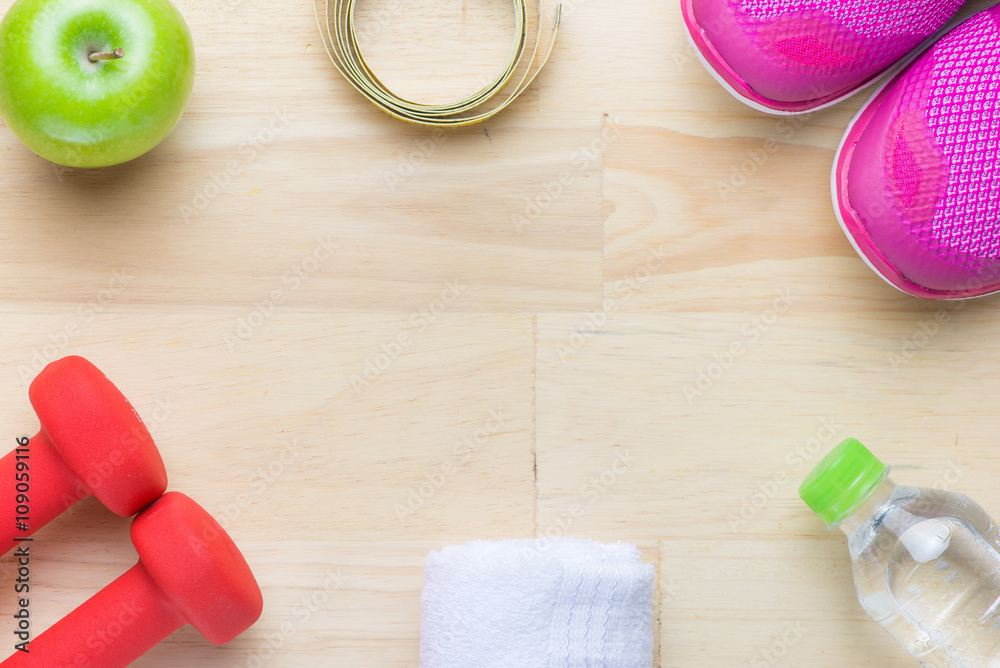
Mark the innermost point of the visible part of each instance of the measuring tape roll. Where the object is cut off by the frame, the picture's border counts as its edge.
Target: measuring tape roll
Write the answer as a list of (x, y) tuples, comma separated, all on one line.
[(341, 41)]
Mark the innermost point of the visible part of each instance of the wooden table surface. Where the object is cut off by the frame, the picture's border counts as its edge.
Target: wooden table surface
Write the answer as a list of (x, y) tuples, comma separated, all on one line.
[(316, 308)]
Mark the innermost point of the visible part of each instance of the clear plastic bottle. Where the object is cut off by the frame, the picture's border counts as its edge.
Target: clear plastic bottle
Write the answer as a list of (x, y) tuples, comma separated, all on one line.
[(926, 562)]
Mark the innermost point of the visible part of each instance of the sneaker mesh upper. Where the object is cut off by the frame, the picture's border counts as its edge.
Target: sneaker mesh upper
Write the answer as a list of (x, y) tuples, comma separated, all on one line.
[(832, 36), (955, 93)]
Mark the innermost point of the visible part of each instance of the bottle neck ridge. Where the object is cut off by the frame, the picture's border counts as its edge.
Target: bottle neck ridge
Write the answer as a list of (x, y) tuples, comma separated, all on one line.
[(866, 509)]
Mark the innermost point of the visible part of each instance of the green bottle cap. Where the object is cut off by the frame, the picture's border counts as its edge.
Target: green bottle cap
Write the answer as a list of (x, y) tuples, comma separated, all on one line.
[(842, 481)]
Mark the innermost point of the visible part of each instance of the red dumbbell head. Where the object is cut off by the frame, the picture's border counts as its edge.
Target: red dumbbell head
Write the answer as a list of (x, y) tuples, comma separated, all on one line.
[(98, 434), (198, 566)]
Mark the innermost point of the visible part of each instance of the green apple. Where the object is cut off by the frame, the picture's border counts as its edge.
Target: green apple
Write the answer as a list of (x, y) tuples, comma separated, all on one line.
[(92, 83)]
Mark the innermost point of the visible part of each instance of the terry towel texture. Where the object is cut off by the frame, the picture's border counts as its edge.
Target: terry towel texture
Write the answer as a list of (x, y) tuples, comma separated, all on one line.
[(537, 603)]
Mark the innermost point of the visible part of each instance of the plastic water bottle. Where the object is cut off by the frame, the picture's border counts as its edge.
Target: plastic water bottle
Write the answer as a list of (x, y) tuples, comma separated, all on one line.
[(926, 562)]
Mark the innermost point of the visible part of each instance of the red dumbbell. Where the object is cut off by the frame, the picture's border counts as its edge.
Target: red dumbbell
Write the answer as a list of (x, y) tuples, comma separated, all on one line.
[(92, 442), (189, 572)]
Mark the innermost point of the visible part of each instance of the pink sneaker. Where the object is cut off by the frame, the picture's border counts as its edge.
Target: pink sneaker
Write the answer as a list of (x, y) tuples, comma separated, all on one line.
[(794, 56), (916, 182)]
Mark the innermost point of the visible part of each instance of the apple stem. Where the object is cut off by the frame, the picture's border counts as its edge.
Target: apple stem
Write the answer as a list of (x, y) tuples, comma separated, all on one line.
[(105, 55)]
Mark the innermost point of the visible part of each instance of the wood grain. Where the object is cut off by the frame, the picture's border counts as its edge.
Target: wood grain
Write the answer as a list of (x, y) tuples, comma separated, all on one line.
[(315, 308)]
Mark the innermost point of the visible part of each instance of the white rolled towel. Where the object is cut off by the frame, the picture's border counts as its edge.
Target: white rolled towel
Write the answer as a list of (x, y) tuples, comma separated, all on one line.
[(537, 603)]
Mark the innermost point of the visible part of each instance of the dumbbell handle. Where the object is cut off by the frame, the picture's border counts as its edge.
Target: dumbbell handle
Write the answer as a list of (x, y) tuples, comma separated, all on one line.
[(52, 488), (111, 629)]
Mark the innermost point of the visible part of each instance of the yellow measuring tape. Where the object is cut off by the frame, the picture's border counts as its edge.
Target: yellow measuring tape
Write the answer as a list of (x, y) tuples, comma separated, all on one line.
[(341, 41)]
